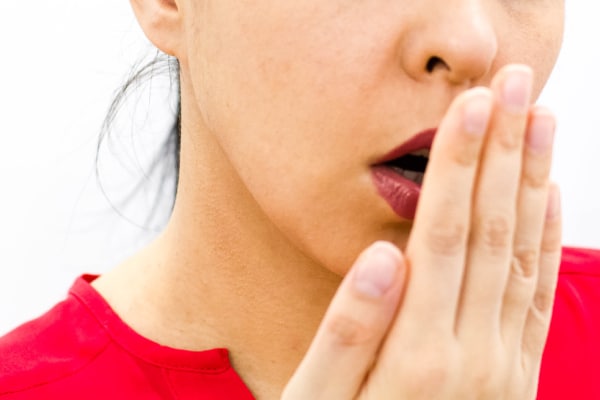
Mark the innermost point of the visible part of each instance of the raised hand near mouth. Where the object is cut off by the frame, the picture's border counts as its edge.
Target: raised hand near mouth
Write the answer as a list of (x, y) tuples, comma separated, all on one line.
[(464, 312)]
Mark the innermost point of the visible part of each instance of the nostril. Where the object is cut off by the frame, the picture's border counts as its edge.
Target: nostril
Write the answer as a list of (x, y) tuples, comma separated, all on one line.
[(435, 62)]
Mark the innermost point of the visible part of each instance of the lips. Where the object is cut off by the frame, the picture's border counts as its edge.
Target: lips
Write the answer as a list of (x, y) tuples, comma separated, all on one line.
[(421, 140), (391, 177)]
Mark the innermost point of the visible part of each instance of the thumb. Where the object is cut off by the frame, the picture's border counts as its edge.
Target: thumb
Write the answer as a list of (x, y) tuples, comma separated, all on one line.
[(353, 328)]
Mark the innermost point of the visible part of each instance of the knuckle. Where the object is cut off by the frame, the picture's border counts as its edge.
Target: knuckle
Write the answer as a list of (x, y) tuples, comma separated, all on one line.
[(434, 371), (435, 376), (534, 343), (486, 377), (480, 379), (543, 301), (525, 262), (446, 238), (348, 331), (552, 241), (510, 137), (534, 348), (495, 231), (489, 387), (468, 155), (536, 179)]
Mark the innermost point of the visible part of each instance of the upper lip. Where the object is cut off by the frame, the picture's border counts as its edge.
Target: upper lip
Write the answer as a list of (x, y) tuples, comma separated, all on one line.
[(422, 140)]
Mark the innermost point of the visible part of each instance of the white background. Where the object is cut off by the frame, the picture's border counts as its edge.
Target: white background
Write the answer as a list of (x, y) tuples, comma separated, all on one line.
[(61, 62)]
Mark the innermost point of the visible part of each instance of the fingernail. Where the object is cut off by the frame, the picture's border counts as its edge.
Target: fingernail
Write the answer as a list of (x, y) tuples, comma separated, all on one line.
[(376, 270), (516, 89), (477, 112), (553, 207), (541, 132)]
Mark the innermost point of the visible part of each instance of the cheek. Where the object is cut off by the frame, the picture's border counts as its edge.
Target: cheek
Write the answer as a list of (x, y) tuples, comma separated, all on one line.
[(289, 94), (543, 52), (294, 99), (285, 103), (534, 38)]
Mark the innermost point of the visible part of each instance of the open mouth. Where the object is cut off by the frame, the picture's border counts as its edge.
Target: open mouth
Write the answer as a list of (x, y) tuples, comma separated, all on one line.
[(412, 166), (399, 174)]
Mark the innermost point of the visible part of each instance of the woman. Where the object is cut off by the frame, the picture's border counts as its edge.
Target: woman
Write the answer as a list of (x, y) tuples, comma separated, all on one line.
[(305, 132)]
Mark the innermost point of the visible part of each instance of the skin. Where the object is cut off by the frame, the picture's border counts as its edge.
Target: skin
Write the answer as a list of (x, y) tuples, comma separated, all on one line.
[(285, 106)]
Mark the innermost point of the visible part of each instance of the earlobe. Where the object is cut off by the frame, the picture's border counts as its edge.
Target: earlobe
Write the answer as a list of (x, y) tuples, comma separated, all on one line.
[(161, 22)]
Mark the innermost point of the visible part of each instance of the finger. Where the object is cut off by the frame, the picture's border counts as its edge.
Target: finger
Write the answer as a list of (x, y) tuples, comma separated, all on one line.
[(437, 244), (353, 328), (540, 310), (495, 197), (531, 206)]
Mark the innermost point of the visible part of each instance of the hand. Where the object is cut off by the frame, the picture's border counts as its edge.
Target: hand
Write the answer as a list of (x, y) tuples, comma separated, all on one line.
[(471, 321)]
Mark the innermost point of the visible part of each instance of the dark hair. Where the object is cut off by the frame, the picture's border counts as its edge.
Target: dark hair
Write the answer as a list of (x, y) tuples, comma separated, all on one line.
[(161, 168)]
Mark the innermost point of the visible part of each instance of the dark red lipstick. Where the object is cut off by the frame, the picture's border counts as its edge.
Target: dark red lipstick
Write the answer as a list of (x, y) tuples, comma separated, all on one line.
[(398, 174), (421, 140)]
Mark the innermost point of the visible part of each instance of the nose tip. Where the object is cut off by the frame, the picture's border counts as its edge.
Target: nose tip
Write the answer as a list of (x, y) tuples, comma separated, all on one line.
[(461, 47)]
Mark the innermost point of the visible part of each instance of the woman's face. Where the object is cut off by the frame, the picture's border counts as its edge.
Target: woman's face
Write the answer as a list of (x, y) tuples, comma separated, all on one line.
[(304, 97)]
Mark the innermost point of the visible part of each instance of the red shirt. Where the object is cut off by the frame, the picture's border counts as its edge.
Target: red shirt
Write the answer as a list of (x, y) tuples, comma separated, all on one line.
[(80, 349)]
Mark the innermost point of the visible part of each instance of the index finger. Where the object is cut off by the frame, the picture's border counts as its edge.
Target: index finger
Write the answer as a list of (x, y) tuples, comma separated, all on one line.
[(437, 245)]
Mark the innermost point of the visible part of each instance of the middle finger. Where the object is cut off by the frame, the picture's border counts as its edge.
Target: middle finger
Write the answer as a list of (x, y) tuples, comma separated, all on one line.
[(494, 204)]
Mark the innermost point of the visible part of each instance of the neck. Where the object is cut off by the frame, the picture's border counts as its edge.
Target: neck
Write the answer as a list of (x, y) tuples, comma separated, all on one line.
[(222, 275)]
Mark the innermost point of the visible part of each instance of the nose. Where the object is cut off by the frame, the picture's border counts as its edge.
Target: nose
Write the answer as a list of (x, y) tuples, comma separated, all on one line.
[(455, 41)]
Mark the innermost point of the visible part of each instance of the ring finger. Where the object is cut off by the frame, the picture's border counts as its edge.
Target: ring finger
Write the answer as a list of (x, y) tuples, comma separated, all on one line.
[(494, 205), (532, 200)]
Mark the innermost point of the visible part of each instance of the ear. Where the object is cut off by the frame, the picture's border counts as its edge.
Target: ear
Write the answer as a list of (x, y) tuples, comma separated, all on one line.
[(162, 23)]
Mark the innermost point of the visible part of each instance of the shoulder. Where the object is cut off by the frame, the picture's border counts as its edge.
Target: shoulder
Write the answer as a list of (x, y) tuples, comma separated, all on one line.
[(570, 365), (580, 261), (577, 302), (81, 349), (50, 348), (578, 292)]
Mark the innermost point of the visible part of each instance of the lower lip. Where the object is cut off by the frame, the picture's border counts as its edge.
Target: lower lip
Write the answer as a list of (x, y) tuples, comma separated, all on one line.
[(399, 192)]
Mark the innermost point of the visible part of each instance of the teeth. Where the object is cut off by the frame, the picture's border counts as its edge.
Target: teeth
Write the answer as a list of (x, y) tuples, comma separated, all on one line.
[(416, 177), (422, 152)]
